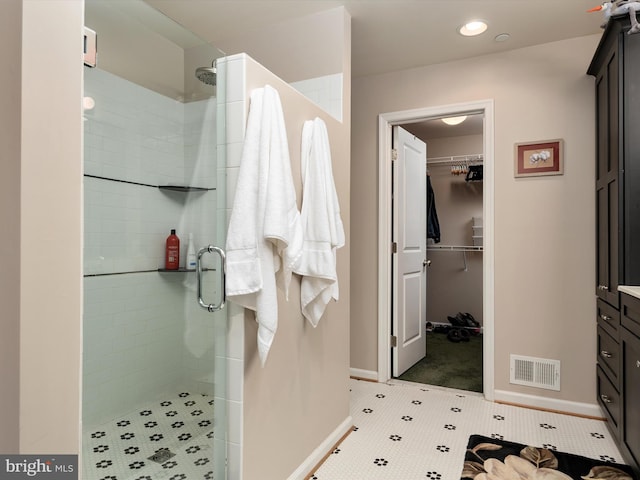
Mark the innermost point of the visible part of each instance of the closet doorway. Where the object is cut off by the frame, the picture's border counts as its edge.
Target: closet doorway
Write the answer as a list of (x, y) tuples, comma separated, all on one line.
[(458, 288), (454, 234)]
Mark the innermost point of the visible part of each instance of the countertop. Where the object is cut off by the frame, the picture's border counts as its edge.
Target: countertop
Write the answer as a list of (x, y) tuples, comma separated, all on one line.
[(629, 289)]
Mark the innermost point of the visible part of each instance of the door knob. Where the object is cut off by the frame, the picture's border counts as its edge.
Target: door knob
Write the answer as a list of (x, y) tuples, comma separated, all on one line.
[(426, 263)]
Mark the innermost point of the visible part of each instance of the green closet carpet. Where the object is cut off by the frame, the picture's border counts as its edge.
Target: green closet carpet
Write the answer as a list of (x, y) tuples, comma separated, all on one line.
[(449, 364)]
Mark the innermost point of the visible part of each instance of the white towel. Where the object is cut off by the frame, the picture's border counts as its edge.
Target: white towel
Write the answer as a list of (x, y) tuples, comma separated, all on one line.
[(321, 223), (265, 222)]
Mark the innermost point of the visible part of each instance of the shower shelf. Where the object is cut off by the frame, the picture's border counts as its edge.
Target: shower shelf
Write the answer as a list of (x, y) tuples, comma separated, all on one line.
[(184, 188), (174, 188), (183, 270)]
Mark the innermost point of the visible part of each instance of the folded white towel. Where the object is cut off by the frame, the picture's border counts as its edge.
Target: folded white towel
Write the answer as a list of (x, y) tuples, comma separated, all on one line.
[(321, 223), (265, 222)]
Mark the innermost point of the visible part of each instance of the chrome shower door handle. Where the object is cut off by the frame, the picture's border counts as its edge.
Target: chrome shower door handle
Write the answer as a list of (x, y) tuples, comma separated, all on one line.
[(223, 276)]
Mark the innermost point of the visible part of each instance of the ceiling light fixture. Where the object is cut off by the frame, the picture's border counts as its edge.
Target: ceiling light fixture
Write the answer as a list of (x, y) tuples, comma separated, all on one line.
[(454, 120), (472, 28)]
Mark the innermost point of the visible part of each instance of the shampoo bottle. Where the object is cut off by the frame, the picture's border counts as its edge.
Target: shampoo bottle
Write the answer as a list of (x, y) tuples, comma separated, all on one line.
[(191, 254), (172, 252)]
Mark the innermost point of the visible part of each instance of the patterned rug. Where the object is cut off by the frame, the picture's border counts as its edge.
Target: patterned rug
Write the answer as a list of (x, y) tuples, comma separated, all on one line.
[(496, 459)]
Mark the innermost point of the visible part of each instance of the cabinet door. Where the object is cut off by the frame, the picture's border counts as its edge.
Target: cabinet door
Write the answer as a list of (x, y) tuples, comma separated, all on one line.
[(607, 98), (631, 389), (630, 185)]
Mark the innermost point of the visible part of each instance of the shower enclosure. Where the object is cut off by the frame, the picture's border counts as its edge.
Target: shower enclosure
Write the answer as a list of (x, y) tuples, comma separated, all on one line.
[(153, 359)]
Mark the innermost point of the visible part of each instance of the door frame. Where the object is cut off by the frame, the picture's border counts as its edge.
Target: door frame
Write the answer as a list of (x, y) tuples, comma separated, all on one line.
[(385, 123)]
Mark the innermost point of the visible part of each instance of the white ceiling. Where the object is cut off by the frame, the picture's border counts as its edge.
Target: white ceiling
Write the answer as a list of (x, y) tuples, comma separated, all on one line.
[(390, 35)]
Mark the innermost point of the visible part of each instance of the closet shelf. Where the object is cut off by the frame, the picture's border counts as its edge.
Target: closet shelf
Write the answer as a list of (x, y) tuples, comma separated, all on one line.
[(456, 248), (455, 160)]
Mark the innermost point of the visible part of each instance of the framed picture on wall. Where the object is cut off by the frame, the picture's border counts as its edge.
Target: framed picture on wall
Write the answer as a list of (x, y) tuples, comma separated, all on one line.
[(534, 159)]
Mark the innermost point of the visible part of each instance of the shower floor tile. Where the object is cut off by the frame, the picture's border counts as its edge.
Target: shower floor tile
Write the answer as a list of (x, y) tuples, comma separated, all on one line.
[(120, 449)]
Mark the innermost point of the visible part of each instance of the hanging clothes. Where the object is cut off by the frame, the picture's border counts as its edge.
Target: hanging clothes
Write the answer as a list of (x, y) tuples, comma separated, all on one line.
[(433, 226)]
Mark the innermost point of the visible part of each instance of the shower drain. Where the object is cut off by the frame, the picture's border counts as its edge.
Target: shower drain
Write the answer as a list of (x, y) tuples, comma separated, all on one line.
[(162, 456)]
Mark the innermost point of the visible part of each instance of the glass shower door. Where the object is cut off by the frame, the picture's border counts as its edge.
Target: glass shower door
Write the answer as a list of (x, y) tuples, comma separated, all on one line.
[(154, 361)]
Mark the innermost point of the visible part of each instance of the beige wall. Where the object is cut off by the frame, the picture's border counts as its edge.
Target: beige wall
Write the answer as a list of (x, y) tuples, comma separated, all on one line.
[(296, 48), (41, 212), (51, 245), (299, 49), (10, 81), (302, 394), (544, 239)]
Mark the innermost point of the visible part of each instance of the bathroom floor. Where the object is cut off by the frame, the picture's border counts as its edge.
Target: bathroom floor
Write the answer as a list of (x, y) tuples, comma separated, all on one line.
[(179, 431), (409, 431)]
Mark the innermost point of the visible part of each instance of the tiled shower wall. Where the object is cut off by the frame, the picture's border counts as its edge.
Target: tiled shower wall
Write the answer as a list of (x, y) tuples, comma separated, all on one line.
[(325, 91), (144, 334)]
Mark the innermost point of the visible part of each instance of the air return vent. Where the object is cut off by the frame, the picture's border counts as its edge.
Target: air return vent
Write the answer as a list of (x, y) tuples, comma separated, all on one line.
[(535, 372)]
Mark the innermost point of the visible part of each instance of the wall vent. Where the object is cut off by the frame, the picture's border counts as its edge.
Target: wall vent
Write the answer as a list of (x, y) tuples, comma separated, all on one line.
[(535, 372)]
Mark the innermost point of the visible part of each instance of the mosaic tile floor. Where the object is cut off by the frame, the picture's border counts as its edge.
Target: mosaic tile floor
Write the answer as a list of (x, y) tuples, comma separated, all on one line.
[(183, 426), (410, 431)]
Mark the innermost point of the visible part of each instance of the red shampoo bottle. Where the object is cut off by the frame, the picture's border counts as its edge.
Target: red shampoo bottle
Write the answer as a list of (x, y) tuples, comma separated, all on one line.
[(172, 252)]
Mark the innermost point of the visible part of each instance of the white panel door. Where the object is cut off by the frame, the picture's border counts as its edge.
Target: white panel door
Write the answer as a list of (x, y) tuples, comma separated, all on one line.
[(409, 261)]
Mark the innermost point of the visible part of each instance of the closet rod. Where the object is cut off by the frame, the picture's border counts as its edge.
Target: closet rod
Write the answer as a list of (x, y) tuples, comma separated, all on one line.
[(455, 160), (456, 248)]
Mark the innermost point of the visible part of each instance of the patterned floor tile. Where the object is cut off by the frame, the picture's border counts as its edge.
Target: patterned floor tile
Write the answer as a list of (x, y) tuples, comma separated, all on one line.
[(410, 431), (179, 429)]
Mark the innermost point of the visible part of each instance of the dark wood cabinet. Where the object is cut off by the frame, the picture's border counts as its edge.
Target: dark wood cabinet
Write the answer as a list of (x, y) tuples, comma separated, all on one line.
[(606, 70), (616, 68)]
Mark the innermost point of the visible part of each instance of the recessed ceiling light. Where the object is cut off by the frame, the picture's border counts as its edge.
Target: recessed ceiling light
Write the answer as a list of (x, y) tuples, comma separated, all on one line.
[(503, 37), (472, 28), (454, 120)]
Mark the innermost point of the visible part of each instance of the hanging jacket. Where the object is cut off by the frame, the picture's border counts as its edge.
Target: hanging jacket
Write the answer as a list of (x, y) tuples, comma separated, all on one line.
[(433, 226)]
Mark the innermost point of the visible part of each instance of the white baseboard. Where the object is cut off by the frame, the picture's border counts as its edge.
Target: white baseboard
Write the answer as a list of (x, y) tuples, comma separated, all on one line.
[(561, 406), (365, 374), (319, 453)]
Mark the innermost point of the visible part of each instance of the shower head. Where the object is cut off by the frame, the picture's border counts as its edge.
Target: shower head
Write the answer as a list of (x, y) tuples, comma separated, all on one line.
[(207, 75)]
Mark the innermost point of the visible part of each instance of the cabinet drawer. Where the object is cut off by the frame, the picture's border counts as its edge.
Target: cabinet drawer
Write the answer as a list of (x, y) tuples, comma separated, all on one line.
[(630, 352), (609, 399), (631, 313), (608, 318), (609, 356)]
